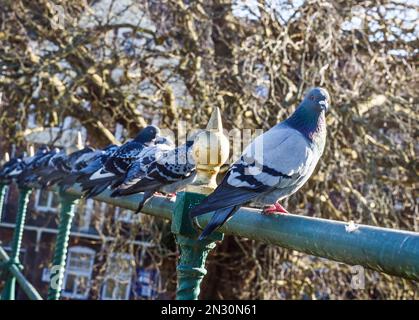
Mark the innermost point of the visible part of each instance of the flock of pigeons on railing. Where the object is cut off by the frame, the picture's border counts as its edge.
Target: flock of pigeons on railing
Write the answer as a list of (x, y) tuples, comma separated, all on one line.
[(150, 163), (127, 169)]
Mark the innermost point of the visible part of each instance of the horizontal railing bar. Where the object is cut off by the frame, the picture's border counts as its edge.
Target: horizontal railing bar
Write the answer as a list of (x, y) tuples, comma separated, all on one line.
[(23, 282), (158, 206), (74, 234), (394, 252)]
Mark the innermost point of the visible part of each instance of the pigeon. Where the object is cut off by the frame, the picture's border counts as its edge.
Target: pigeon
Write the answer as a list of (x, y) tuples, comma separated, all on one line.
[(31, 174), (138, 169), (26, 177), (11, 169), (274, 166), (169, 173), (60, 166), (113, 171), (87, 165)]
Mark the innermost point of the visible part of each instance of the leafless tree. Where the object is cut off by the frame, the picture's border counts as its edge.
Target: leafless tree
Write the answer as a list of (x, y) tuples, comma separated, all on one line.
[(179, 59)]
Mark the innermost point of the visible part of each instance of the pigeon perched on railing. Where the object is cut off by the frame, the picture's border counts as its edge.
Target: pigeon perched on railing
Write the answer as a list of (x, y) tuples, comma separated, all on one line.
[(113, 171), (11, 169), (60, 166), (30, 164), (31, 175), (169, 173), (138, 169), (274, 166), (84, 168)]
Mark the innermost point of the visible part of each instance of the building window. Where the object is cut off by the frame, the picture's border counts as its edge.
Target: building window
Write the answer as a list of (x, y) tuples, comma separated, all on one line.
[(117, 283), (78, 273), (46, 201), (46, 275), (84, 213), (148, 282)]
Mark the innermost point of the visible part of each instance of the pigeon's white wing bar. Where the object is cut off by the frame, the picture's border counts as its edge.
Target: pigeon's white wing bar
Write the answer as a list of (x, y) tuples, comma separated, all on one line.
[(275, 159), (100, 174)]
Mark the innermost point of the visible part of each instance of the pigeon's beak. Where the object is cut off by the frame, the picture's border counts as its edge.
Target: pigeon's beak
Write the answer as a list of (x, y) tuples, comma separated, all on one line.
[(324, 105)]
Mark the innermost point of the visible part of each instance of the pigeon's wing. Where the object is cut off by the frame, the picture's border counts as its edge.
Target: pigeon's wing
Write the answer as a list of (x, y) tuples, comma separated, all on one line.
[(273, 160), (170, 167), (119, 161), (91, 168), (136, 172), (85, 159), (143, 168)]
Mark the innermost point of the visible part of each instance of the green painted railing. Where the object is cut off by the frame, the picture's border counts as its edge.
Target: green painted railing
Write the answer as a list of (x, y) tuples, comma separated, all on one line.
[(68, 204), (14, 261), (394, 252), (26, 286), (3, 192)]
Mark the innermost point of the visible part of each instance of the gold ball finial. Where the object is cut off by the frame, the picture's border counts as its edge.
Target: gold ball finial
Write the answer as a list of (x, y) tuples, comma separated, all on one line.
[(210, 151)]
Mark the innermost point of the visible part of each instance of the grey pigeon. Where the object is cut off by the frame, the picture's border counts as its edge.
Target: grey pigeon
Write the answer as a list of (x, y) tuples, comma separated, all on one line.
[(114, 169), (169, 173), (60, 166), (26, 177), (33, 171), (11, 169), (84, 169), (138, 169), (274, 166)]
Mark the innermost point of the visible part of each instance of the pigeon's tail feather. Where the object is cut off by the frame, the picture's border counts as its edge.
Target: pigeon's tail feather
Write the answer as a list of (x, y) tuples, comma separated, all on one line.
[(218, 219), (124, 190), (88, 184), (85, 174), (147, 195), (68, 181), (51, 179), (96, 190), (116, 183), (116, 193), (224, 197)]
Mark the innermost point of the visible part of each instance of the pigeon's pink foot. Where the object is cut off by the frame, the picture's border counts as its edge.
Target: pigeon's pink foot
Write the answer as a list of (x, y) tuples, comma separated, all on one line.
[(157, 193), (275, 208), (171, 197)]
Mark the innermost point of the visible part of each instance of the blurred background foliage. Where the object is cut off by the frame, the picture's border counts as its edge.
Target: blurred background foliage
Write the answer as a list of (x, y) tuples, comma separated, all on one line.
[(104, 62)]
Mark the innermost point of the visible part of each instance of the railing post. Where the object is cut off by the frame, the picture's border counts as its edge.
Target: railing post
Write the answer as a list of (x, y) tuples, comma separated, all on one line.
[(210, 151), (3, 192), (3, 186), (68, 204), (9, 288)]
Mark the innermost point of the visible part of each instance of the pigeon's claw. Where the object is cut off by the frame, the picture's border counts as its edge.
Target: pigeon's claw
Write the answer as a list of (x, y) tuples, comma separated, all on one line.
[(275, 208)]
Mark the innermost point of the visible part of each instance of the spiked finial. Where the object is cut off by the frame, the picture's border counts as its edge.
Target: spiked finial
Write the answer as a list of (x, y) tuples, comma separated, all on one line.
[(31, 151), (5, 159), (215, 123), (210, 151), (79, 143)]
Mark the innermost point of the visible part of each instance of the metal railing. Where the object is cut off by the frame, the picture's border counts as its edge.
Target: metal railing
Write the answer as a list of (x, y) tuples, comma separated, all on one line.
[(15, 273)]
